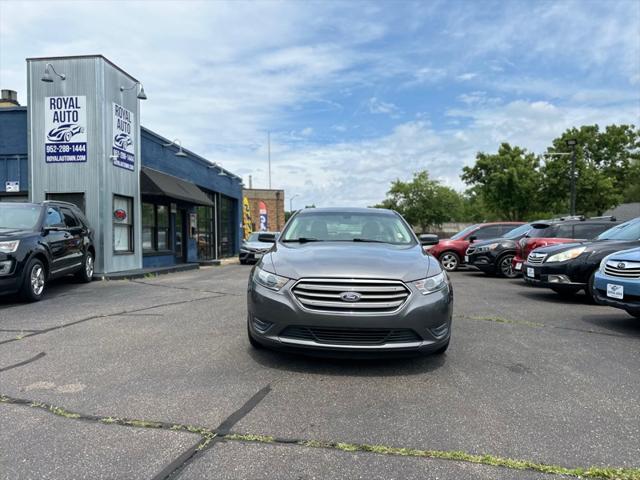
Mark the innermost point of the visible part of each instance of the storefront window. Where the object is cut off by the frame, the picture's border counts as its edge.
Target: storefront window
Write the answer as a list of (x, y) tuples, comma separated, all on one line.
[(205, 234), (156, 227), (122, 224), (162, 215), (228, 230)]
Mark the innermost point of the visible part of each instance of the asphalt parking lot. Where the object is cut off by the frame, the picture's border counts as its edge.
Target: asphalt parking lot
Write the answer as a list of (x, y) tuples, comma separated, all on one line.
[(154, 379)]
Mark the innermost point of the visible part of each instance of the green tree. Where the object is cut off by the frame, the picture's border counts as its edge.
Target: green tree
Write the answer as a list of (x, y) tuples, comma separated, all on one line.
[(423, 202), (508, 182), (607, 171)]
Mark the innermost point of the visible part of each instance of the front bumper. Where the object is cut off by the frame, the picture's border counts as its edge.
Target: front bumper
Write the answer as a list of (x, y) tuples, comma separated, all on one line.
[(11, 282), (631, 295), (422, 314), (250, 255), (485, 262), (550, 275)]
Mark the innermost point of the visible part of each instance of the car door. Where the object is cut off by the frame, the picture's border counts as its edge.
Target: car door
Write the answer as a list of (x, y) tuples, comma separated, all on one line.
[(74, 247), (56, 238)]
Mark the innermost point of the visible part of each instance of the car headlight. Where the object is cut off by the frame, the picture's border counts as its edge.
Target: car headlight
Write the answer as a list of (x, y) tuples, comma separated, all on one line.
[(566, 255), (9, 247), (487, 248), (268, 279), (431, 284), (603, 263)]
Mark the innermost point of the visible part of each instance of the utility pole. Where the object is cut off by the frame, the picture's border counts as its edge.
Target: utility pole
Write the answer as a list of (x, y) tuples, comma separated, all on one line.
[(269, 156), (572, 143), (291, 201)]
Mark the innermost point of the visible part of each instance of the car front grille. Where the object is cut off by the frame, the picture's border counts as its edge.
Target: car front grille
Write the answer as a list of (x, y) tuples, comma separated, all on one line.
[(536, 258), (350, 336), (327, 295), (622, 269)]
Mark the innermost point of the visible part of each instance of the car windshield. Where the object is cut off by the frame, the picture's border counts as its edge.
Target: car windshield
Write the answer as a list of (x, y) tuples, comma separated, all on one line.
[(348, 227), (518, 231), (253, 237), (540, 231), (463, 233), (19, 217), (626, 231)]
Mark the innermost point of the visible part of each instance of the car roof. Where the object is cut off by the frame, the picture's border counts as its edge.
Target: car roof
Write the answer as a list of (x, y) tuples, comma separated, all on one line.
[(346, 210), (43, 203)]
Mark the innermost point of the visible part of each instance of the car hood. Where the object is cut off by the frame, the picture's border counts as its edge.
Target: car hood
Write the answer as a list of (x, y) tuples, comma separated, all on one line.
[(259, 245), (490, 241), (13, 233), (355, 260), (598, 247), (632, 255)]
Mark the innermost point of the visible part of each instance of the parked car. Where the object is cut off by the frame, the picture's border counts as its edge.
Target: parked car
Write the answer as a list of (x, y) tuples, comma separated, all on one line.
[(561, 230), (569, 268), (349, 281), (451, 251), (40, 242), (617, 282), (495, 257), (252, 249)]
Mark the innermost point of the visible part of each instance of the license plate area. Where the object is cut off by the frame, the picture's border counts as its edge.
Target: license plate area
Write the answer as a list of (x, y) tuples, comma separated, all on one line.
[(531, 272), (615, 291), (518, 266)]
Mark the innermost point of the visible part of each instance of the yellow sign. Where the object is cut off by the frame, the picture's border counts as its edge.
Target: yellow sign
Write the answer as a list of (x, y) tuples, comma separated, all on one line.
[(246, 218)]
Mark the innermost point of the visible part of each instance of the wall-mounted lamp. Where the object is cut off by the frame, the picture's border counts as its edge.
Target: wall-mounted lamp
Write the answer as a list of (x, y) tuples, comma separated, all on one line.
[(177, 142), (221, 173), (47, 74), (141, 95)]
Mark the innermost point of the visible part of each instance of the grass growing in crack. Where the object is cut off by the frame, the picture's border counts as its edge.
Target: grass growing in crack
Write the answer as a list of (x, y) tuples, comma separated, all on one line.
[(508, 321)]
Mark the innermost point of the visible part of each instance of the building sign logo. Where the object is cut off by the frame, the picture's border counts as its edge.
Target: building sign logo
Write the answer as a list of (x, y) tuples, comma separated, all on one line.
[(120, 214), (65, 129), (123, 150), (264, 217)]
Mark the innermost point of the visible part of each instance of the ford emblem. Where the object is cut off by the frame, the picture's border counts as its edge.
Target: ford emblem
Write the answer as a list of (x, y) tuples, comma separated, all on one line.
[(350, 296), (622, 266)]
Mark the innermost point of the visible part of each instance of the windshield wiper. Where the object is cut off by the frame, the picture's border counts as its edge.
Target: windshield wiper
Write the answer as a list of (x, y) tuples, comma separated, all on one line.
[(302, 240), (368, 240)]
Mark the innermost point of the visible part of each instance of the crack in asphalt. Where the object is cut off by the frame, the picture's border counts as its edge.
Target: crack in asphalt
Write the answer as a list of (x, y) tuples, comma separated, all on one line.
[(210, 436), (526, 323), (20, 364), (184, 288), (107, 315)]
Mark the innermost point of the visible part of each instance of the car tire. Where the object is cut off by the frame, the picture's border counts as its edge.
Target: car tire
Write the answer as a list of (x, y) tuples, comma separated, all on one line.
[(85, 274), (591, 298), (504, 266), (442, 349), (252, 341), (450, 261), (243, 262), (566, 292), (35, 281)]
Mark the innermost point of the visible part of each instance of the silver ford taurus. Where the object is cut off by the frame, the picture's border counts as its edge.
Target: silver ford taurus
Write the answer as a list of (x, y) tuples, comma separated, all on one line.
[(352, 280)]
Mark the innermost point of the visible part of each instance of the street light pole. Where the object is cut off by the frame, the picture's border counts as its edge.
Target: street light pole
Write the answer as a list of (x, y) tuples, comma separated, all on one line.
[(291, 201), (572, 143)]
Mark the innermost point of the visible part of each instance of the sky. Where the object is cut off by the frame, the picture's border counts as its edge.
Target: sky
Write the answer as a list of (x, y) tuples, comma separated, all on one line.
[(355, 94)]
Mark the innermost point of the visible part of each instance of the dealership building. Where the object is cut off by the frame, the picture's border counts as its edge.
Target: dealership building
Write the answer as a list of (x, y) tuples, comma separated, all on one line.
[(150, 200)]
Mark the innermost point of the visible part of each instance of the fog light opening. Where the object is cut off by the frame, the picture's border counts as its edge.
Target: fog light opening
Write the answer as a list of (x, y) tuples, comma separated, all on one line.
[(440, 331), (261, 325)]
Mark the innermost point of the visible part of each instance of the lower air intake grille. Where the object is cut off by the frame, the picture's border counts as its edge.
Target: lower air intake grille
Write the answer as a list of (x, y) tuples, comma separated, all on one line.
[(350, 336)]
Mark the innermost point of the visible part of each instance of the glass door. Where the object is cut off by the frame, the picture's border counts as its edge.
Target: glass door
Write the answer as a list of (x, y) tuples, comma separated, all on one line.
[(179, 250)]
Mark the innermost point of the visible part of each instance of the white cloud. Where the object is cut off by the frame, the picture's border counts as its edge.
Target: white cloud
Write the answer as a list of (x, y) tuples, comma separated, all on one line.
[(375, 105)]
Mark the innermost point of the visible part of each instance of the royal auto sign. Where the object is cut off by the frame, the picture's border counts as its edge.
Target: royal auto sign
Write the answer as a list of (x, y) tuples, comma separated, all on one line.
[(123, 148), (65, 122)]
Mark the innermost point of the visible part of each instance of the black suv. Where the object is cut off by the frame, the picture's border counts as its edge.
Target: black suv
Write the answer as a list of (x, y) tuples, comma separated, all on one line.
[(569, 268), (495, 256), (40, 242)]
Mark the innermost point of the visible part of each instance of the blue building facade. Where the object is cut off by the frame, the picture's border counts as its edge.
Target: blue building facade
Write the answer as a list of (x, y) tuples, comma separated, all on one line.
[(191, 207)]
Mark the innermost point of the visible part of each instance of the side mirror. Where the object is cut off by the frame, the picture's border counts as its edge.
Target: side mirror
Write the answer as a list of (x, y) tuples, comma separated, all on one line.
[(267, 237), (472, 238), (428, 239)]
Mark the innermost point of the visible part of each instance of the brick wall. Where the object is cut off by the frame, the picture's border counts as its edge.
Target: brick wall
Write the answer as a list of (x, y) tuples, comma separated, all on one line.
[(274, 201)]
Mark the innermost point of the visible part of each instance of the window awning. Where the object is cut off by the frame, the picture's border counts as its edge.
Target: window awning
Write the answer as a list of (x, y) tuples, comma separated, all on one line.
[(153, 182)]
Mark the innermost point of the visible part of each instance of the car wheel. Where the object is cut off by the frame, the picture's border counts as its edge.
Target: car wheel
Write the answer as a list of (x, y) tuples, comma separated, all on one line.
[(254, 343), (565, 291), (505, 266), (450, 261), (67, 137), (243, 262), (35, 281), (442, 349), (591, 298), (85, 274)]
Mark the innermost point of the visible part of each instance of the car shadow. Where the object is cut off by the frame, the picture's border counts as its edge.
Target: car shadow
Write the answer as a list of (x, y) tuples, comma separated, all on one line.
[(549, 296), (57, 288), (619, 322), (353, 367)]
